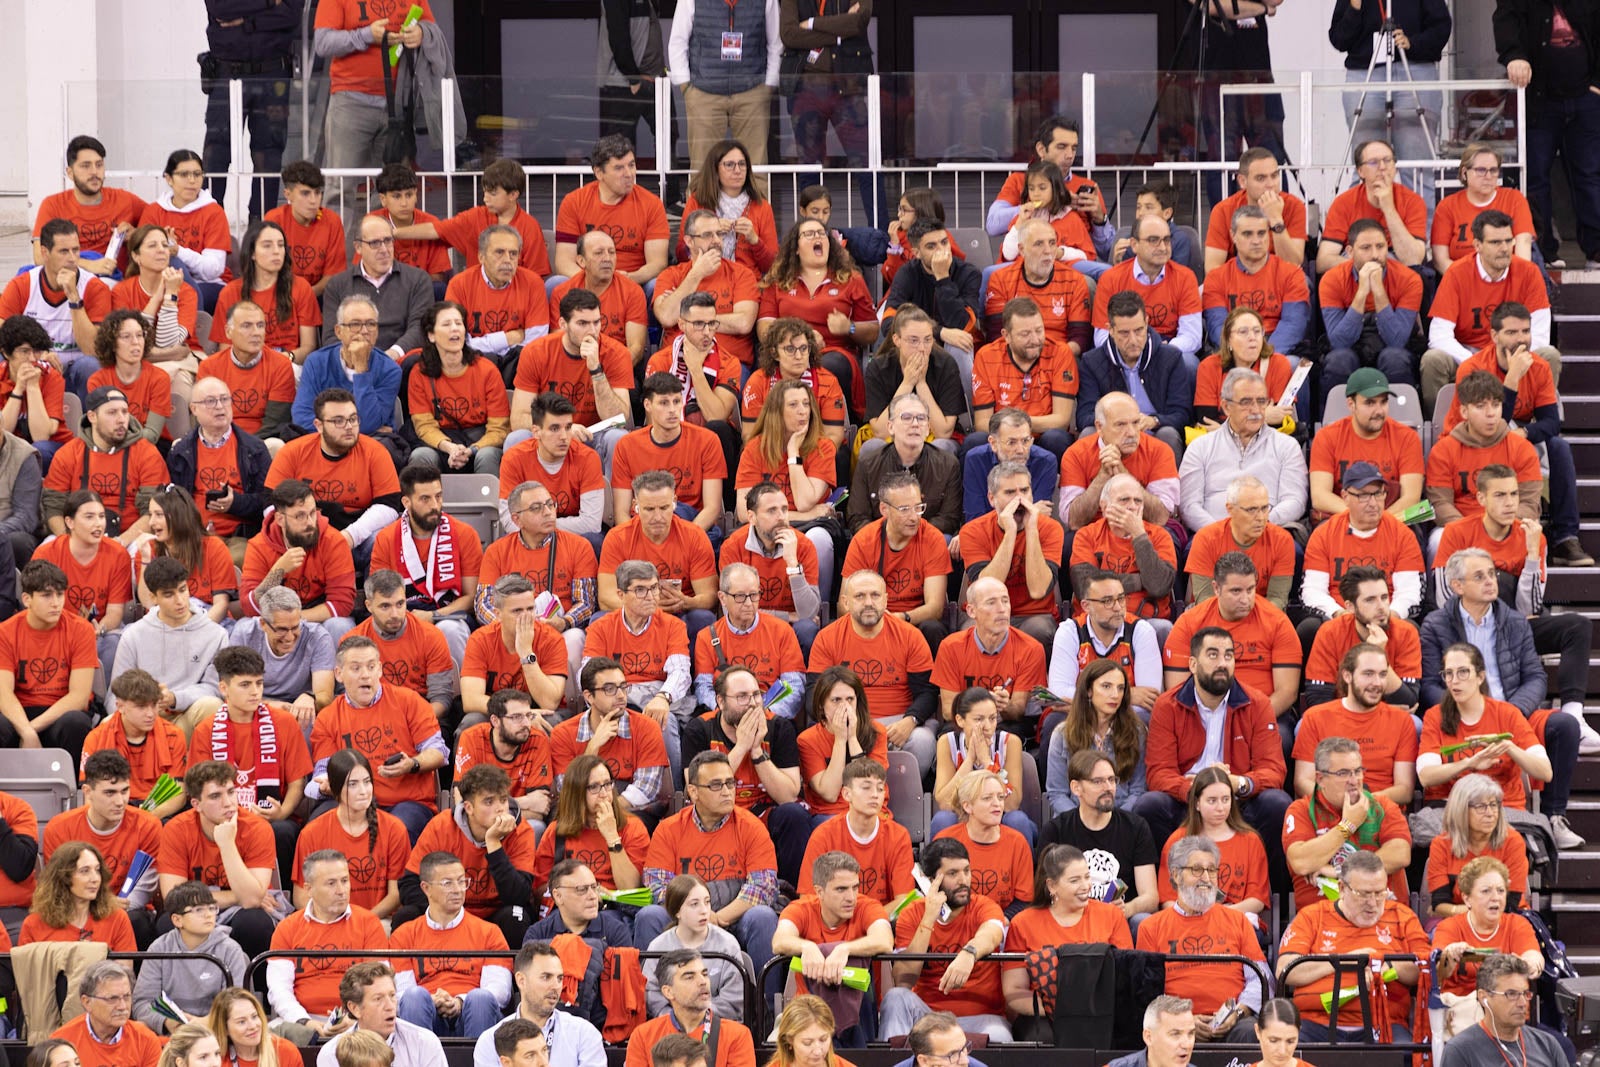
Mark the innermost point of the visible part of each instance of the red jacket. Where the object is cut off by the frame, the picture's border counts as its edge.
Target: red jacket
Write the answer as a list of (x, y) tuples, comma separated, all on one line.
[(1251, 745)]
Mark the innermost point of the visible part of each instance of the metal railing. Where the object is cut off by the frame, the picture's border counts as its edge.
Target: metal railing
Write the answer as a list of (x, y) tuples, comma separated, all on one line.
[(1361, 966)]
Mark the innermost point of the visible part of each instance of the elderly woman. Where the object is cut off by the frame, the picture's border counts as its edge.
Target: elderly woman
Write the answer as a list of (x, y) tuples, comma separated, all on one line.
[(1474, 825), (1482, 928)]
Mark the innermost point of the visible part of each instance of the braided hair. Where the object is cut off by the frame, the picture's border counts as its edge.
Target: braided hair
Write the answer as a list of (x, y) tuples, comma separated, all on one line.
[(340, 764)]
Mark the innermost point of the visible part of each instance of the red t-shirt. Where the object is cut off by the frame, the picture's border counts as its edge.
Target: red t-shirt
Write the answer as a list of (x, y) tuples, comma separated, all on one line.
[(904, 570), (1352, 204), (1396, 450), (138, 831), (980, 541), (444, 834), (885, 859), (282, 333), (41, 662), (980, 994), (487, 657), (1454, 464), (546, 365), (1338, 636), (1017, 666), (188, 853), (399, 721), (1064, 300), (621, 305), (372, 866), (1219, 226), (823, 386), (164, 750), (693, 457), (643, 656), (1386, 735), (92, 587), (732, 284), (579, 474), (430, 257), (1452, 219), (1242, 874), (96, 222), (806, 916), (362, 72), (884, 663), (1097, 543), (1301, 823), (813, 305), (1467, 300), (1401, 284), (1498, 718), (269, 380), (316, 249), (130, 293), (1334, 548), (462, 230), (1221, 930), (998, 382), (776, 594), (1175, 294), (1273, 552), (520, 305), (1536, 390), (1277, 283), (1263, 641), (684, 556), (754, 468), (1208, 379), (1002, 871), (633, 221), (1510, 553)]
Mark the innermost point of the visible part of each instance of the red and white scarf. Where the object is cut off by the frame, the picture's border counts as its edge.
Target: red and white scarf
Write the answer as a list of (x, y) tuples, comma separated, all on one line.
[(440, 578), (265, 779), (680, 371)]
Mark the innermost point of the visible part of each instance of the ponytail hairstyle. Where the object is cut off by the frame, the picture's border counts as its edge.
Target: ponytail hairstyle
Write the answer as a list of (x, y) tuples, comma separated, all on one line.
[(340, 764)]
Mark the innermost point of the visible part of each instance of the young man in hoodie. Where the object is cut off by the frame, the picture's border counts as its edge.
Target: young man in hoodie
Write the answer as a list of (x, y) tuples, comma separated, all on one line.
[(189, 984), (487, 833), (176, 645), (298, 549), (109, 457), (1482, 438)]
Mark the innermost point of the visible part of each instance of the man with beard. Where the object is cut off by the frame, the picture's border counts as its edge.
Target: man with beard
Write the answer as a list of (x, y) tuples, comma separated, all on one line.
[(1256, 278), (571, 471), (575, 893), (992, 654), (351, 474), (891, 658), (1367, 534), (679, 550), (685, 985), (510, 741), (505, 301), (1010, 440), (746, 636), (1025, 369), (1119, 445), (1386, 734), (1170, 291), (415, 654), (734, 287), (622, 302), (1339, 818), (224, 466), (1201, 925), (1182, 742), (298, 655), (457, 993), (692, 453), (1053, 284), (630, 742), (108, 456), (1366, 435), (909, 553), (1366, 619), (973, 928), (1117, 843), (295, 549), (1266, 652), (516, 651), (261, 379), (836, 916), (304, 991), (1246, 529), (1365, 920), (907, 450), (1505, 991), (348, 363), (574, 1042), (880, 845), (439, 557), (90, 206), (766, 761), (785, 560)]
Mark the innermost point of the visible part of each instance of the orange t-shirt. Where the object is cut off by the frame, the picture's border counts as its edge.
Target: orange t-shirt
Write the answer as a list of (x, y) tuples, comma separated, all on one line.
[(1221, 930), (1386, 735), (79, 467), (217, 468), (1097, 543), (189, 854), (643, 656), (980, 541), (885, 860), (1338, 636), (769, 650), (757, 257), (214, 576), (1300, 824), (735, 1046), (980, 995), (1064, 300), (137, 1047), (399, 721), (328, 567), (1150, 462), (1175, 294), (458, 969), (733, 283), (362, 72), (1219, 226), (806, 916), (96, 222), (728, 853), (282, 333), (387, 554), (1334, 548), (754, 468), (409, 659), (1241, 875), (444, 834), (1018, 666), (579, 474), (93, 587), (41, 662), (1208, 379), (1454, 464), (487, 657), (589, 848), (196, 230), (1396, 450), (316, 249), (1465, 299), (1537, 389), (823, 385), (637, 218), (684, 556), (816, 749), (1320, 928), (1273, 552), (519, 306), (1498, 718), (316, 978), (1512, 935), (546, 366), (1002, 871), (621, 305), (269, 380), (904, 570), (528, 770), (1444, 865), (430, 257), (1277, 283), (776, 595), (997, 381), (573, 562), (52, 390), (18, 815), (353, 481), (129, 293), (466, 401), (1263, 640), (1452, 219), (138, 831), (1032, 928), (1510, 553), (692, 458), (372, 867), (462, 230), (884, 663), (1401, 285), (1352, 204)]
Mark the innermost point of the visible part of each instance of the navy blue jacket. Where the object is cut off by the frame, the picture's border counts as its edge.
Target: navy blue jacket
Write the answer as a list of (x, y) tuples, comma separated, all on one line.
[(1426, 24), (1166, 378), (251, 499), (1521, 674)]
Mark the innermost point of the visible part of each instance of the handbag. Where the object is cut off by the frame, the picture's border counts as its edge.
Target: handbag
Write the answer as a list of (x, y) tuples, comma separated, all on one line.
[(398, 142)]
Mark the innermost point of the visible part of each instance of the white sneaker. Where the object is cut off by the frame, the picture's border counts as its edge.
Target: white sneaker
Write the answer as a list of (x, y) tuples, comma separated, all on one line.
[(1562, 832), (1588, 738)]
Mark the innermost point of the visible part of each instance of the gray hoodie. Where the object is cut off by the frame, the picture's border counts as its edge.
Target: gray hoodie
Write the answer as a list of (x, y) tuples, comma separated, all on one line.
[(190, 983), (179, 657)]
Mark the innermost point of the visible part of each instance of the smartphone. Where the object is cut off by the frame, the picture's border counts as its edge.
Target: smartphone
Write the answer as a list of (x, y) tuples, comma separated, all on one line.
[(216, 494), (396, 758)]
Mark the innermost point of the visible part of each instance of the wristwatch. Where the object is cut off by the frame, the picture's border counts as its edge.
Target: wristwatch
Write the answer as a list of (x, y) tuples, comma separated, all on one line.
[(616, 847), (530, 660), (75, 305), (756, 761), (416, 765), (1279, 227), (794, 571)]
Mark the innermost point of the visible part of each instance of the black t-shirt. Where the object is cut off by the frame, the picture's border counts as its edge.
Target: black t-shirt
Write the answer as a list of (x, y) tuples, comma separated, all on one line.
[(1113, 853), (700, 734), (883, 377)]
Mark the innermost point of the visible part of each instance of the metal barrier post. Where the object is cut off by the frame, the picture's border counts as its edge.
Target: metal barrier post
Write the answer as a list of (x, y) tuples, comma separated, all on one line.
[(239, 163), (1307, 116), (664, 145), (1087, 122), (447, 103)]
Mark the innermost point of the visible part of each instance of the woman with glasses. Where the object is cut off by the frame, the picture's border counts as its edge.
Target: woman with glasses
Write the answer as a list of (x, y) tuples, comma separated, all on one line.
[(1063, 912), (176, 529), (1451, 236), (188, 983), (265, 278), (978, 745), (240, 1025), (726, 186), (804, 1035), (376, 842), (1474, 825), (1243, 344), (74, 901), (790, 352), (122, 343), (687, 901), (1485, 926), (458, 405), (591, 824), (1471, 731), (1242, 880), (842, 729), (1102, 718)]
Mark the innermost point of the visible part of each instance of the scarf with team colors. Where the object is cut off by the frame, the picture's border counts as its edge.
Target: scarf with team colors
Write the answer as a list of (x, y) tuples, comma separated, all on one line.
[(441, 578), (267, 776)]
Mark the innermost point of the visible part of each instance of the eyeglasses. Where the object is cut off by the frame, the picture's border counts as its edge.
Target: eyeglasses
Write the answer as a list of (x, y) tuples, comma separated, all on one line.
[(1107, 601), (582, 890), (954, 1056), (907, 509), (702, 235), (1381, 161), (1346, 775), (1363, 894), (1249, 402), (795, 350), (124, 999), (612, 689), (734, 164), (451, 884), (1367, 498), (1158, 241), (744, 598), (225, 400), (519, 716), (265, 625), (542, 505), (743, 699), (594, 789), (342, 422), (200, 909), (720, 785), (1513, 996), (1203, 872), (1483, 807), (913, 418), (710, 326), (645, 592), (1484, 172), (1107, 782), (361, 324), (1457, 674), (376, 242)]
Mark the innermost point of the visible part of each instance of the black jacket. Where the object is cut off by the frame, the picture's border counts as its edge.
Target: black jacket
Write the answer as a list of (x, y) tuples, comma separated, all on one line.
[(1426, 24), (251, 499), (953, 303), (1162, 371), (263, 31), (1522, 29)]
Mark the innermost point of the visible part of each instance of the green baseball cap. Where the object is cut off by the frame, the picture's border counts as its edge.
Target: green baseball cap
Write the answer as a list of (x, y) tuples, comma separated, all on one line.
[(1368, 382)]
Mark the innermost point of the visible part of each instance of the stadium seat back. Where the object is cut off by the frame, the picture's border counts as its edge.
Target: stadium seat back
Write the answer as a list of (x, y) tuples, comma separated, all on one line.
[(906, 797), (44, 778), (474, 499)]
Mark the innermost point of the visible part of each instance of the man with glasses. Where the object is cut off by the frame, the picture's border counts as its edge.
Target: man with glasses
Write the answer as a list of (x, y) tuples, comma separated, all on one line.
[(1505, 992), (943, 286), (1136, 363), (1378, 196), (347, 363), (728, 848), (105, 1032), (505, 301), (1369, 306), (1170, 291), (303, 990), (1340, 818), (1246, 529), (1025, 369), (630, 742), (912, 364), (746, 636), (1200, 924), (223, 465), (298, 654), (1365, 619), (261, 379), (707, 371), (1010, 440), (907, 450), (910, 555), (937, 1040), (457, 992), (1386, 733), (1055, 285), (1119, 445), (1366, 919), (1367, 435), (1104, 630), (399, 292), (1116, 842), (1364, 535), (734, 286), (622, 300), (1244, 444)]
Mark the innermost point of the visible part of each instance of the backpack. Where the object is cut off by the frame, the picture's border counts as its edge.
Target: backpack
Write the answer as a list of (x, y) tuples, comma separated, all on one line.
[(603, 985)]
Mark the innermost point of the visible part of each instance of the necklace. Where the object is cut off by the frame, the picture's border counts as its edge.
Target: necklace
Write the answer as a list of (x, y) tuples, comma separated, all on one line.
[(1479, 934)]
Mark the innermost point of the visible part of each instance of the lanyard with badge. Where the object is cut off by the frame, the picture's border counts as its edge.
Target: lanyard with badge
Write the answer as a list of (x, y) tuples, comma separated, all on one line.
[(732, 40)]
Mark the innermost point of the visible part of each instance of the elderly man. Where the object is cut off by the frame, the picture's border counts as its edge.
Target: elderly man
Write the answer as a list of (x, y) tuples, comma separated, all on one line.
[(1122, 543), (1366, 435), (1010, 440), (399, 291), (347, 363), (1170, 292), (1201, 922), (909, 553), (1135, 360), (747, 636), (1243, 444), (262, 379), (1378, 196), (1169, 1035), (1505, 991), (913, 365), (1059, 290), (1365, 535), (1256, 278), (991, 653), (1119, 445), (622, 300), (1267, 652), (1339, 819), (1247, 530), (907, 450), (223, 466), (505, 301), (298, 655), (104, 1032), (1020, 544), (1365, 920)]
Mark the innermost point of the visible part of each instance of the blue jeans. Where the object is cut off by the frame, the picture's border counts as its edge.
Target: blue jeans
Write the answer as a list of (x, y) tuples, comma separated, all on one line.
[(1397, 364), (1563, 490), (1264, 812), (1316, 1032), (687, 513), (1570, 127), (478, 1012)]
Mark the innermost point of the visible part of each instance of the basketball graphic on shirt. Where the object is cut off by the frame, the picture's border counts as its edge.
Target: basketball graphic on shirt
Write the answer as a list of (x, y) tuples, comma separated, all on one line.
[(305, 258), (41, 670), (711, 868), (245, 401), (635, 664), (336, 490), (772, 588), (105, 483), (899, 580), (458, 409), (81, 599), (93, 233), (1160, 317), (1103, 871), (314, 964), (363, 870), (986, 881), (870, 671), (211, 478), (1199, 945), (396, 672)]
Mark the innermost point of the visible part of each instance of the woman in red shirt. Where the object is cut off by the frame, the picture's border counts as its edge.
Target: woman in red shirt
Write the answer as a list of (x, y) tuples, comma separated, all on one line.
[(788, 448), (1244, 344), (121, 344), (74, 902), (845, 731), (1049, 200), (239, 1024), (725, 185), (790, 352), (293, 314), (1213, 814), (458, 405), (591, 824), (815, 279), (176, 529), (1483, 928), (359, 829), (196, 222)]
